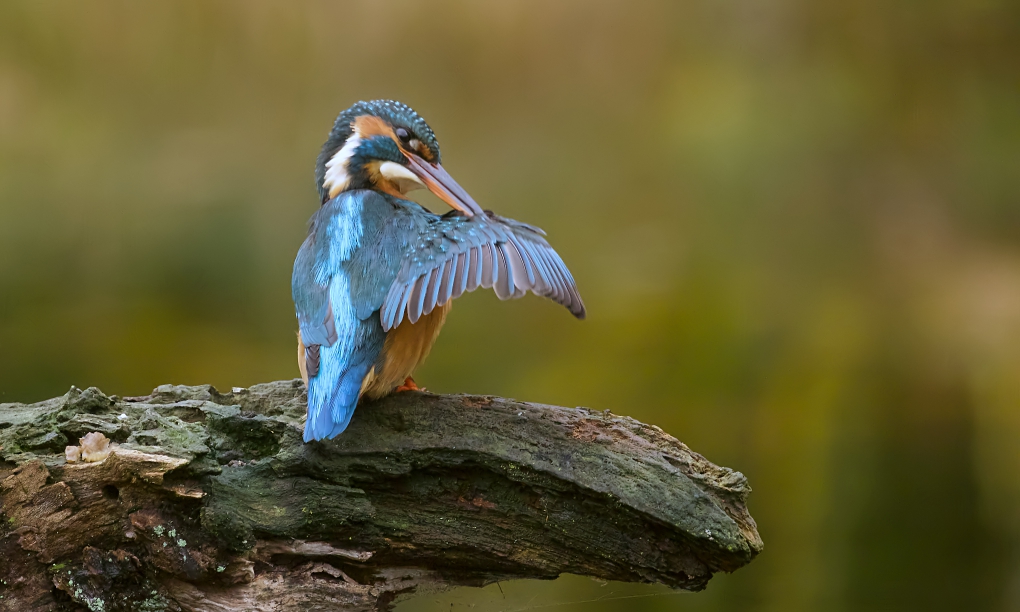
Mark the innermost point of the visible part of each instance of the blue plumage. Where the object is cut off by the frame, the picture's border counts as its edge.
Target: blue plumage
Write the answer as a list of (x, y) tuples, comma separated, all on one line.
[(334, 392), (374, 261), (321, 287)]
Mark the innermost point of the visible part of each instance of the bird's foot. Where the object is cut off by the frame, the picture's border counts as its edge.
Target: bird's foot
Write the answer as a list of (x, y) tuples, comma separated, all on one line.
[(408, 386)]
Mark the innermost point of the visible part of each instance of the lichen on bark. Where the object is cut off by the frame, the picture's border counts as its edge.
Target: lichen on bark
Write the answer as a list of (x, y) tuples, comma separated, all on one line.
[(211, 501)]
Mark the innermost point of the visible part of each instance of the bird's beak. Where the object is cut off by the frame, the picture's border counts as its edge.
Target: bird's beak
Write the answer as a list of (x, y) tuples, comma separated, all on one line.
[(439, 182)]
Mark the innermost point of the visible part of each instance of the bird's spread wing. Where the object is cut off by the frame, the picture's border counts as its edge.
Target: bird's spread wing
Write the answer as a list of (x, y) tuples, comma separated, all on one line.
[(442, 257)]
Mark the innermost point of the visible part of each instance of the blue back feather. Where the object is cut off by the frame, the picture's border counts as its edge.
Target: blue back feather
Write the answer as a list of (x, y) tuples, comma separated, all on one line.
[(325, 279)]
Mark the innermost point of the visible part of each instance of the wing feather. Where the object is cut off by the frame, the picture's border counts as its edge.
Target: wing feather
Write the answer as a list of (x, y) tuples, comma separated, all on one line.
[(389, 307), (522, 280), (402, 305), (558, 282), (542, 286), (393, 309), (489, 272), (529, 270), (433, 290), (447, 256), (460, 279), (504, 284), (545, 272), (312, 360), (417, 301), (575, 305), (446, 281), (474, 273)]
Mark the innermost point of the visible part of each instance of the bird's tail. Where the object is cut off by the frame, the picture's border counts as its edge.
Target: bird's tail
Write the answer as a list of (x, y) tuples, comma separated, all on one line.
[(332, 395)]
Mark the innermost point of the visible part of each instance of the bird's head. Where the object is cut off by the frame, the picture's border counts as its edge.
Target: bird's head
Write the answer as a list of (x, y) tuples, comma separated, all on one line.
[(386, 146)]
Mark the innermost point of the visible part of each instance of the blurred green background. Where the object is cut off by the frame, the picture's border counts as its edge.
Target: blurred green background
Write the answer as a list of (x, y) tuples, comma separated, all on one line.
[(796, 226)]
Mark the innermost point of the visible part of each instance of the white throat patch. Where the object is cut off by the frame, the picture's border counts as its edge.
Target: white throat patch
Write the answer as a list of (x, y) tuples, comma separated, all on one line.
[(402, 178)]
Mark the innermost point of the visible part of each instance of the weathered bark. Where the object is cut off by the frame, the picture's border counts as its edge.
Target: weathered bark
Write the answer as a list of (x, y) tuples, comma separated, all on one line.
[(211, 501)]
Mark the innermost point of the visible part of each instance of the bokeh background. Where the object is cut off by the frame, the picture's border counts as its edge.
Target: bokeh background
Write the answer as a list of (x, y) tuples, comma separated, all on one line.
[(796, 226)]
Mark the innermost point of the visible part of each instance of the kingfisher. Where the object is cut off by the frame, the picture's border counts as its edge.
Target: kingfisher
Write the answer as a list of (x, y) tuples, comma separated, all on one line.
[(374, 279)]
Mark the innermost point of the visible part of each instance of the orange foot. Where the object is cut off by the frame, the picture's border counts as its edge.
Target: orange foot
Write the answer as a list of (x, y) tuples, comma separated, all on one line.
[(408, 386)]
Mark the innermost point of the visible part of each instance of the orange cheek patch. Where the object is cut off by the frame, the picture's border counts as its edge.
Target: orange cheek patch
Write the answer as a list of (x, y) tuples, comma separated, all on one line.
[(367, 126)]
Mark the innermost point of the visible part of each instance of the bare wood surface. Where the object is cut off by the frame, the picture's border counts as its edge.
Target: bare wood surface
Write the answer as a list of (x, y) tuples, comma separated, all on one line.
[(209, 501)]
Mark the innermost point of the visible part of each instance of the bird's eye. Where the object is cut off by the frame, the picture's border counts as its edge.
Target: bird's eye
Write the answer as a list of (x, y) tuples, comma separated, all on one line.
[(403, 135)]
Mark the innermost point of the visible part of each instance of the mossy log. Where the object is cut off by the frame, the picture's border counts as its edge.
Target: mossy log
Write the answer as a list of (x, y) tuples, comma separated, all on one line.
[(210, 501)]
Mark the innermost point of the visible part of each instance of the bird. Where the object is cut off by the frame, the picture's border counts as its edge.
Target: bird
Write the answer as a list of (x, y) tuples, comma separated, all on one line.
[(374, 279)]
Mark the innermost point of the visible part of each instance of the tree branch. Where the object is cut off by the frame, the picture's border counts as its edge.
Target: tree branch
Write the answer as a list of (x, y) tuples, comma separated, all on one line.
[(211, 502)]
